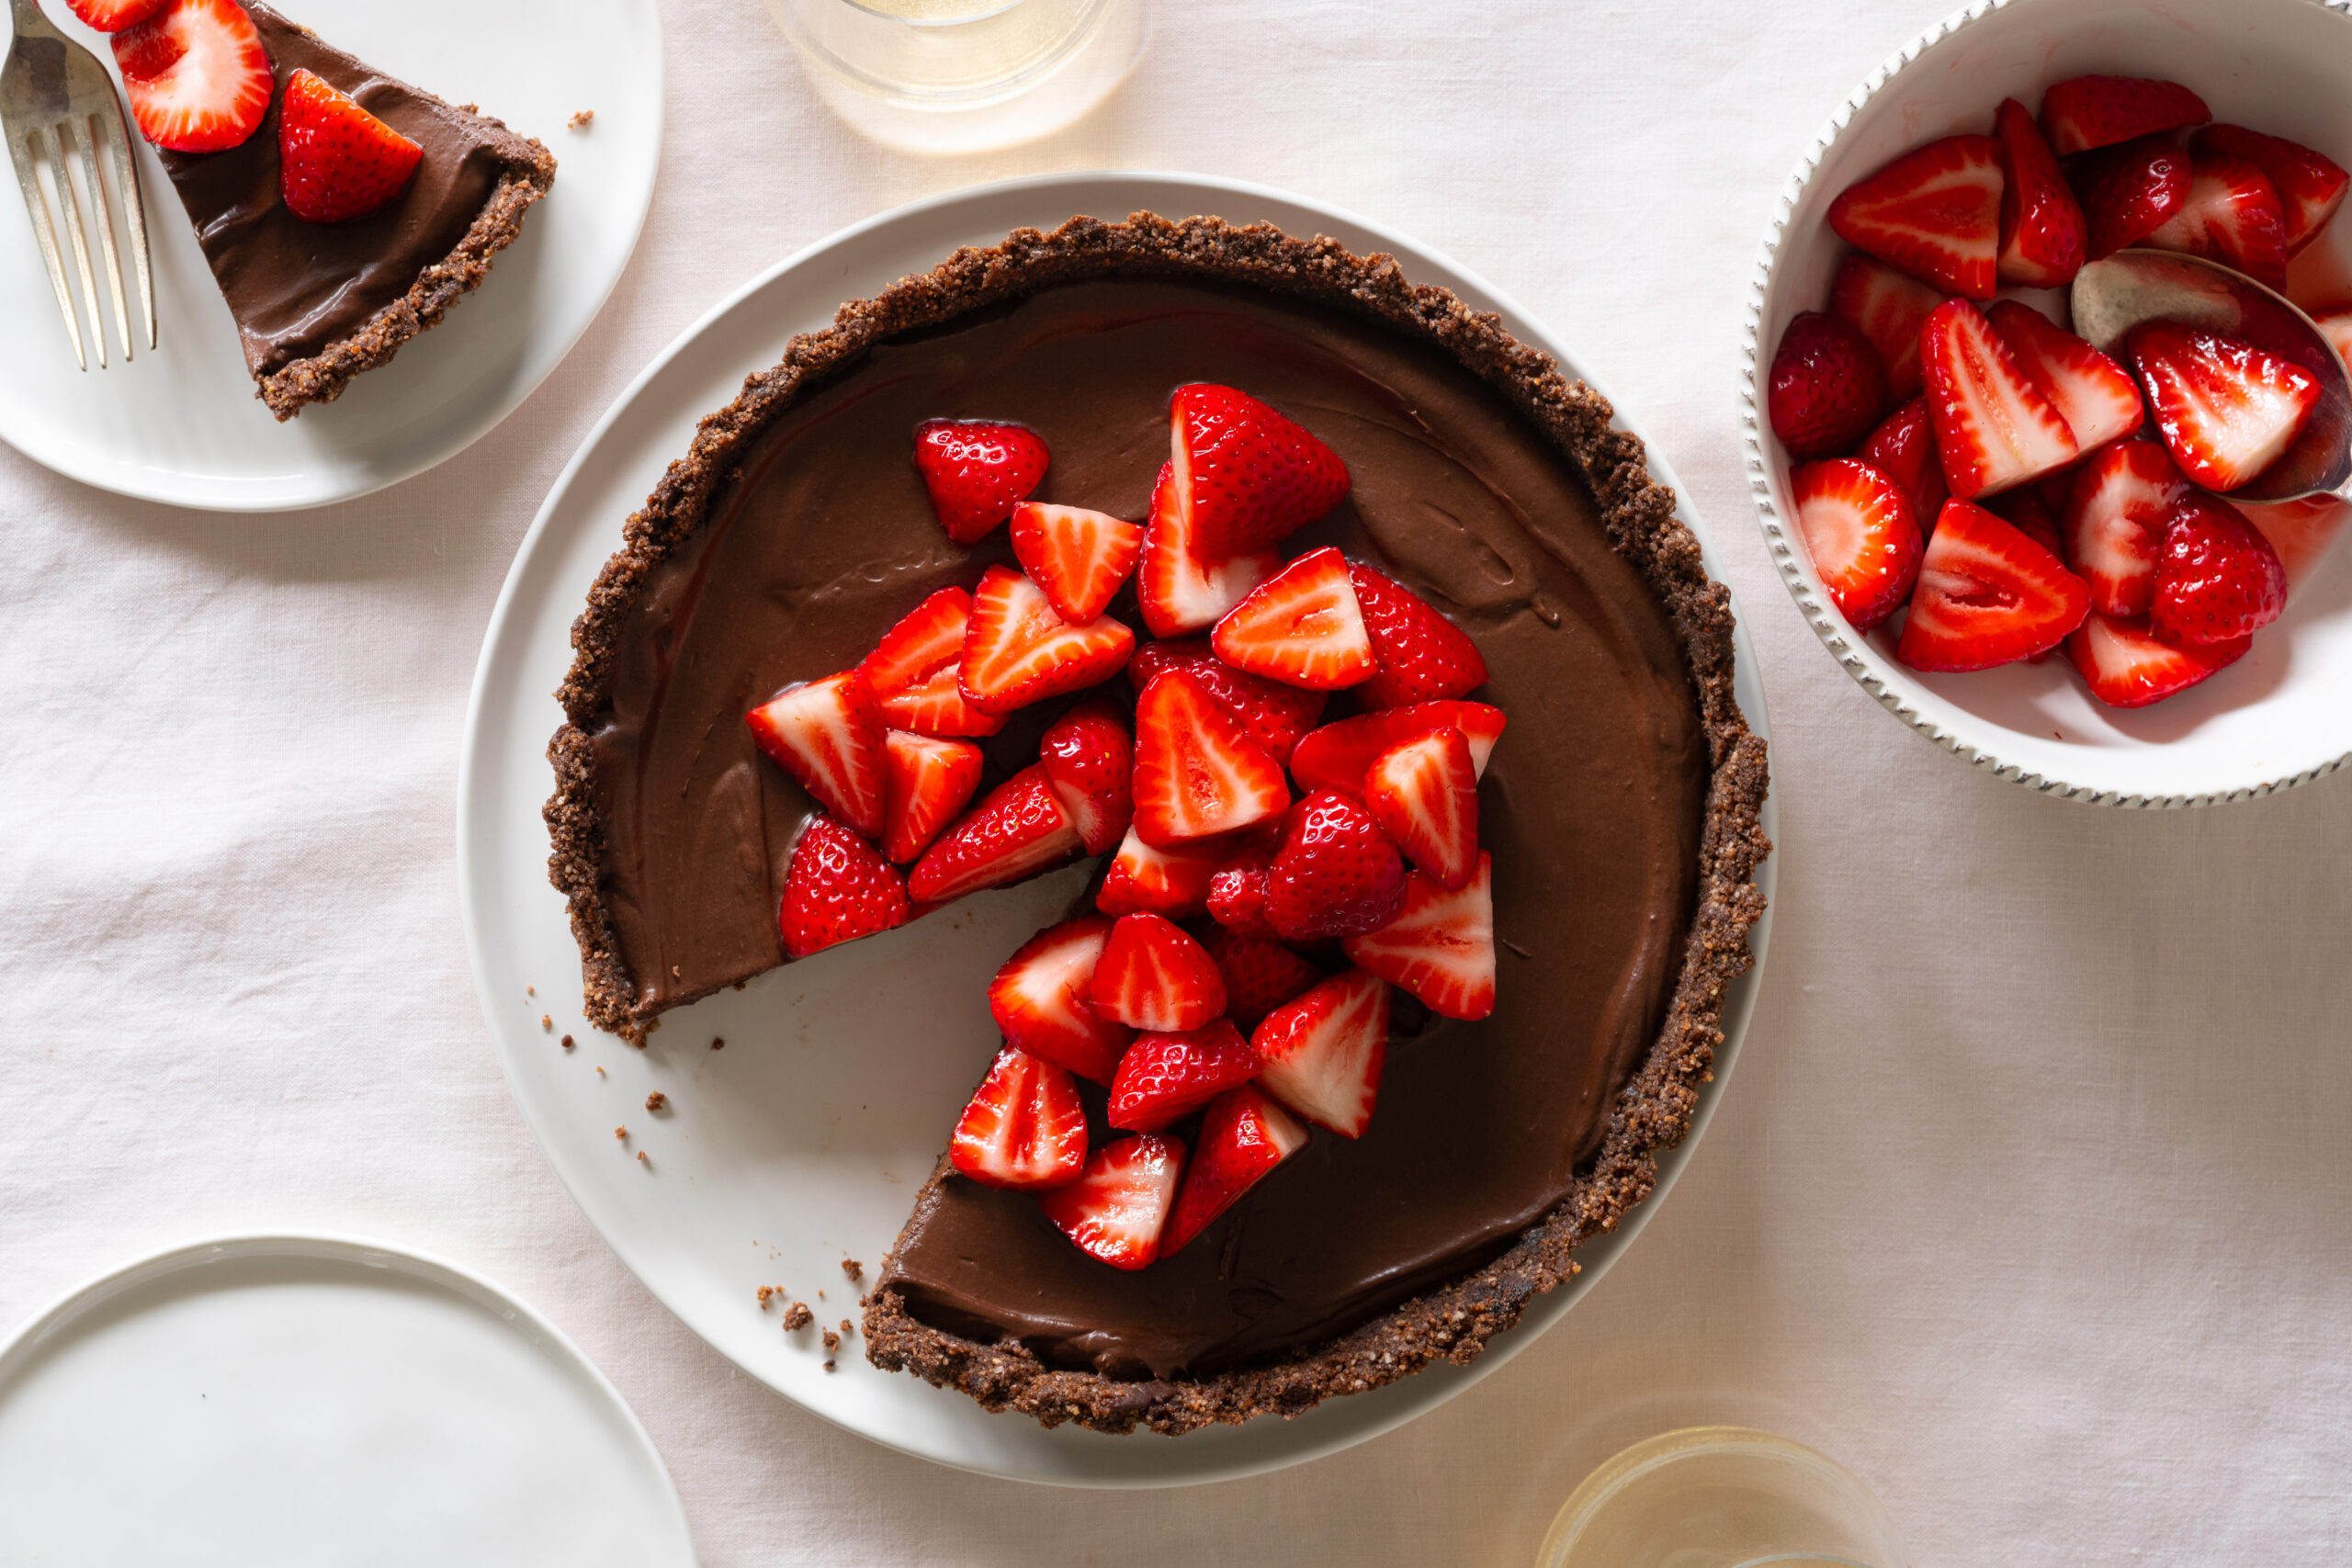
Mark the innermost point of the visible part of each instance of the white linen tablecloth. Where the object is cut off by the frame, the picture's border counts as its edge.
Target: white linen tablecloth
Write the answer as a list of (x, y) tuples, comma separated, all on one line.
[(2029, 1200)]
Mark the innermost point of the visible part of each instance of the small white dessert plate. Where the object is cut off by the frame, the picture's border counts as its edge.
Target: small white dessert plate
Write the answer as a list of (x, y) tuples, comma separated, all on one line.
[(2283, 713), (181, 424), (803, 1142), (281, 1399)]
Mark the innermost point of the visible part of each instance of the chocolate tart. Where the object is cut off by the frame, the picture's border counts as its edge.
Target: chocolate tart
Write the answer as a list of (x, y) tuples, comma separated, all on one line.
[(1622, 806), (318, 303)]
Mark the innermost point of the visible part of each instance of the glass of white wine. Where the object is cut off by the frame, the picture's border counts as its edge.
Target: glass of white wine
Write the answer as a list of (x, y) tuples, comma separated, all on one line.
[(958, 75), (1722, 1497)]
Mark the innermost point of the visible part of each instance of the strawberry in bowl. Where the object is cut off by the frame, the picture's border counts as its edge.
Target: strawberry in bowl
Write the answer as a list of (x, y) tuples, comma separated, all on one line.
[(2020, 530)]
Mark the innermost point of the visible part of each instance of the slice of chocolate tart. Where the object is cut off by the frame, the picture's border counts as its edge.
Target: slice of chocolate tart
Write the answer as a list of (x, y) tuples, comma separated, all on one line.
[(317, 304)]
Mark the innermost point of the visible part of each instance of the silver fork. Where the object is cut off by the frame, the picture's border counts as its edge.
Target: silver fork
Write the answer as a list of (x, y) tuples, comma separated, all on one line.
[(57, 108)]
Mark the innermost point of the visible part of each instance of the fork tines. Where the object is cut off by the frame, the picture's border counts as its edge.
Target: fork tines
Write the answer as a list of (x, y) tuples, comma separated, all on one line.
[(76, 183)]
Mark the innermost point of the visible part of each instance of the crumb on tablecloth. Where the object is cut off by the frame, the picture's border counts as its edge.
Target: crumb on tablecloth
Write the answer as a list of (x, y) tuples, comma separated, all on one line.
[(845, 1328), (642, 1160), (656, 1101), (798, 1316), (717, 1044), (621, 1131), (569, 1043), (580, 120), (546, 1023), (600, 1072), (530, 990), (853, 1268), (833, 1342)]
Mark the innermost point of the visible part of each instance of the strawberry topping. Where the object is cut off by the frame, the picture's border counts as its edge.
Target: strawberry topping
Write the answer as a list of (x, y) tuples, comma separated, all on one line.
[(2042, 237), (1237, 900), (836, 889), (1178, 588), (1274, 715), (2127, 665), (1115, 1208), (1023, 1127), (1165, 1077), (1421, 656), (2127, 191), (1088, 757), (926, 781), (1152, 976), (1828, 386), (1019, 830), (1017, 651), (1338, 755), (1993, 427), (1260, 975), (1441, 946), (976, 472), (1858, 529), (2091, 392), (912, 669), (1198, 773), (1039, 999), (1245, 475), (1322, 1052), (113, 16), (1336, 874), (1173, 882), (2218, 579), (1903, 449), (2225, 409), (1078, 556), (2113, 520), (336, 160), (2231, 215), (1301, 626), (197, 75), (2310, 187), (1244, 1135), (2084, 112), (1888, 306), (830, 736), (1424, 796)]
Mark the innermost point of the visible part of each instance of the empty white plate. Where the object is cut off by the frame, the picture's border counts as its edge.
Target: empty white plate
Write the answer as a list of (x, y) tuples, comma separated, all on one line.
[(318, 1400), (181, 424)]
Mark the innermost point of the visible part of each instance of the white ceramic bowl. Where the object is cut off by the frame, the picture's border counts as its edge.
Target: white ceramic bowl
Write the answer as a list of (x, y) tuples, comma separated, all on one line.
[(2283, 713)]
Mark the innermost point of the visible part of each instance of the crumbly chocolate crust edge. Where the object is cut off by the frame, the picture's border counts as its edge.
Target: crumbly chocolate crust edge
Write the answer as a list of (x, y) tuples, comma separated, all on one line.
[(1456, 1322), (530, 171)]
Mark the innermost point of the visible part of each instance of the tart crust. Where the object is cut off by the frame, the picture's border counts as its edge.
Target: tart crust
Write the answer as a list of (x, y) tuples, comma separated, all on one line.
[(320, 378), (1456, 1321)]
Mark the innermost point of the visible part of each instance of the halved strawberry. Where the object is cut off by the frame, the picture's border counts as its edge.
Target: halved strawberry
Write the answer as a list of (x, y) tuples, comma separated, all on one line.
[(836, 889), (1236, 898), (1261, 974), (1888, 306), (2225, 408), (113, 16), (197, 75), (2335, 326), (1179, 589), (977, 471), (1023, 1128), (2113, 523), (1166, 1076), (2126, 665), (1857, 526), (1323, 1050), (1338, 755), (1039, 999), (1424, 796), (1987, 596), (1152, 976), (2232, 214), (1827, 385), (2024, 510), (912, 669), (1903, 449), (2301, 531), (1993, 428), (1244, 1134), (1197, 771), (2127, 191), (830, 736), (1019, 830), (1935, 212), (2091, 392), (1173, 882), (1078, 556), (1301, 626), (336, 161), (1419, 655), (1088, 759), (1441, 946), (1274, 715), (1336, 874), (2217, 577), (2043, 238), (2310, 187), (926, 783), (1017, 651), (2084, 112), (1246, 477), (1116, 1208)]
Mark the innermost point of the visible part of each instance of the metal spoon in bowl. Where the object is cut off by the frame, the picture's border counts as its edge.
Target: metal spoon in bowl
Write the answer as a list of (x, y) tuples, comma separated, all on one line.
[(2116, 293)]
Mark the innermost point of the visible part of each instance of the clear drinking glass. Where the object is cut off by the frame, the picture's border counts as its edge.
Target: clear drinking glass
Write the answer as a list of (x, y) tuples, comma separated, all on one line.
[(956, 75), (1721, 1497)]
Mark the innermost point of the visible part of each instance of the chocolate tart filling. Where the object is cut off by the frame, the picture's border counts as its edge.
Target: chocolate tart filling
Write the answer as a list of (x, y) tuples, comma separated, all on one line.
[(1621, 806)]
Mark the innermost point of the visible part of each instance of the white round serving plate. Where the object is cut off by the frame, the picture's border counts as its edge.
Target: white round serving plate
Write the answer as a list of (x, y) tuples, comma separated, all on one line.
[(2283, 713), (182, 424), (804, 1141), (318, 1399)]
